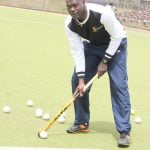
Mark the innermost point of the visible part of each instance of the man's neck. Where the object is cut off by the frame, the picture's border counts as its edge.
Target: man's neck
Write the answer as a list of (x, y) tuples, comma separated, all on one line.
[(84, 15)]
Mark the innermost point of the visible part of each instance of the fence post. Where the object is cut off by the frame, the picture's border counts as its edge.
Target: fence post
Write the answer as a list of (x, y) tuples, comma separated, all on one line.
[(45, 5), (14, 3)]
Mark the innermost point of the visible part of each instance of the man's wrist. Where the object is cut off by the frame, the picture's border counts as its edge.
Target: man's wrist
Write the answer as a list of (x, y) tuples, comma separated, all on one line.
[(107, 57), (105, 61), (81, 79), (80, 74)]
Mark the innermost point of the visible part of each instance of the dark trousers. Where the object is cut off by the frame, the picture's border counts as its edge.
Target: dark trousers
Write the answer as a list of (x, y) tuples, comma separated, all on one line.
[(118, 85)]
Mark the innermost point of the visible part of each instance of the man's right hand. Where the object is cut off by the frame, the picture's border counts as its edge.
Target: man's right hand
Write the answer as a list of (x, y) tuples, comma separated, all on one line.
[(80, 86)]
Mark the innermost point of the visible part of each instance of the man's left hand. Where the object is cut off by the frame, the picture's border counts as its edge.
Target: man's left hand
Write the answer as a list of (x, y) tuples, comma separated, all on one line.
[(101, 69)]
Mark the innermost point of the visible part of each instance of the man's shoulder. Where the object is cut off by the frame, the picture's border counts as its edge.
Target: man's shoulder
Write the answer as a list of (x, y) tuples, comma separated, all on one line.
[(96, 7), (68, 20)]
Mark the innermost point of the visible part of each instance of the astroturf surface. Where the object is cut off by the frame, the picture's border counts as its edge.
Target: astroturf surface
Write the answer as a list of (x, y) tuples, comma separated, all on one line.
[(35, 63)]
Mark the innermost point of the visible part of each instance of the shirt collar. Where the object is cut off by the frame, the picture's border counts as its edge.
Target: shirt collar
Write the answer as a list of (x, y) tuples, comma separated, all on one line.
[(87, 17)]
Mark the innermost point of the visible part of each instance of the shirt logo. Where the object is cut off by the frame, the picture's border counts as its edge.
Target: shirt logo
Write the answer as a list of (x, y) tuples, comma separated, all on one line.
[(96, 29)]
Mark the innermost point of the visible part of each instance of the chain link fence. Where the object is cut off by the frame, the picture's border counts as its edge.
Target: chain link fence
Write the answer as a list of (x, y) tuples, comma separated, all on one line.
[(59, 5), (126, 4), (43, 5), (124, 7)]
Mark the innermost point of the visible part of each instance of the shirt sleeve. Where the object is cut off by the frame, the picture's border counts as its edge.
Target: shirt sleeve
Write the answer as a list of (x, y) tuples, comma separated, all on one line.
[(116, 31), (77, 49)]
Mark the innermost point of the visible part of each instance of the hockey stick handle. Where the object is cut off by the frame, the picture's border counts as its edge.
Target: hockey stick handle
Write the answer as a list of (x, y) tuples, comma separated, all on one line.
[(51, 122)]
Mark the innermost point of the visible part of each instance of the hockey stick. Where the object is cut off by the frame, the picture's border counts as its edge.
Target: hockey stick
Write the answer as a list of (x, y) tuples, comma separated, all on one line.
[(52, 121)]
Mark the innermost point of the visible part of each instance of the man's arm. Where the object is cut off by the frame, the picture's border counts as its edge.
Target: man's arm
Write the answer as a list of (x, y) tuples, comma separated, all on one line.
[(77, 51), (116, 31)]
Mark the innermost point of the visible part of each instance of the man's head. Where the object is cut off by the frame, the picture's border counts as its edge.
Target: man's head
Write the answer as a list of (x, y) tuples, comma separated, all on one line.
[(76, 8)]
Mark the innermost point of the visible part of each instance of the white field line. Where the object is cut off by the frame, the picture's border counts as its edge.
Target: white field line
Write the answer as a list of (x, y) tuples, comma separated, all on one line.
[(33, 10), (139, 31), (36, 148), (30, 22), (145, 33)]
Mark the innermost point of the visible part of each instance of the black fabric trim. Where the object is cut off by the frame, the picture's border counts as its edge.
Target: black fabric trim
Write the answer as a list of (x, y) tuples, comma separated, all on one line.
[(80, 74)]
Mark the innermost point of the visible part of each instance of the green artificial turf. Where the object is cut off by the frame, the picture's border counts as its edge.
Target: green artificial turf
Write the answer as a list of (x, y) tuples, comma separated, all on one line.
[(36, 63)]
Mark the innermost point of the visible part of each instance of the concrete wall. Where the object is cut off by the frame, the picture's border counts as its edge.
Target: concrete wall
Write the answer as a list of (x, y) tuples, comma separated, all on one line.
[(59, 5), (44, 5)]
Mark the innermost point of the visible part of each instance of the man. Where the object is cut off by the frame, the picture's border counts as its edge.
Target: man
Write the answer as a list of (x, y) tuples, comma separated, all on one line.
[(98, 45), (111, 5)]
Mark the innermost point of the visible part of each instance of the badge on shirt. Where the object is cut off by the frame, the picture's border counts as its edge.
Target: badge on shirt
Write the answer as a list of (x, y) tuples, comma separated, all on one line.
[(96, 29)]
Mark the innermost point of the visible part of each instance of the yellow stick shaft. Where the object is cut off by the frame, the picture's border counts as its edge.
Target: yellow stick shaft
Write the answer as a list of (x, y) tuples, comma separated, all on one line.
[(50, 123)]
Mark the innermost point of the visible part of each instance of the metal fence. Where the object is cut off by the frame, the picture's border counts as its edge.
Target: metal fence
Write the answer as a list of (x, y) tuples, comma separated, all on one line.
[(59, 5), (126, 4), (44, 5)]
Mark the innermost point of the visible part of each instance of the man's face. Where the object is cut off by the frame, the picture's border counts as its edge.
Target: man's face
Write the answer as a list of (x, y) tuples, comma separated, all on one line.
[(76, 8)]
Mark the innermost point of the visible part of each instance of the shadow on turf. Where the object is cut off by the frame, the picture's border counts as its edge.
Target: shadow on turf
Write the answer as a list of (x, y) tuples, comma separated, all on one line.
[(97, 127), (104, 127)]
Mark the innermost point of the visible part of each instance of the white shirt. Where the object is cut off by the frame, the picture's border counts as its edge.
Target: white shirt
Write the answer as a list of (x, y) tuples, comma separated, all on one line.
[(111, 25)]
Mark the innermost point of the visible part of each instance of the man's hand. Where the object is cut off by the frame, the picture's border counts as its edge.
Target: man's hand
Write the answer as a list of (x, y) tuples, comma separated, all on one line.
[(101, 69), (80, 86)]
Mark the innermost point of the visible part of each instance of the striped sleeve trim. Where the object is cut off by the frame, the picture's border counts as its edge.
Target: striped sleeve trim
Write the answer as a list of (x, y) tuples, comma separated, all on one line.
[(80, 74), (107, 56)]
